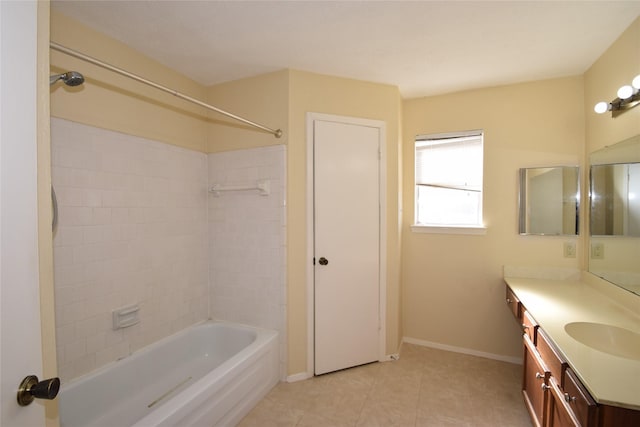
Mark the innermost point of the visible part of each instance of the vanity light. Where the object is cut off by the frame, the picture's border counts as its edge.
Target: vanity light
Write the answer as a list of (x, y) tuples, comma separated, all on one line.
[(602, 107), (625, 92), (628, 97)]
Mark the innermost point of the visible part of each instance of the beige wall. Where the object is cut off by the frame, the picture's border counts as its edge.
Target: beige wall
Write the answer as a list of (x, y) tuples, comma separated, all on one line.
[(615, 68), (263, 99), (110, 101), (331, 95), (453, 293)]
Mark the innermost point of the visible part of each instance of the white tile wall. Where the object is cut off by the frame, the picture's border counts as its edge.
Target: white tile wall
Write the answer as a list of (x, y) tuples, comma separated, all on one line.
[(132, 229), (247, 238)]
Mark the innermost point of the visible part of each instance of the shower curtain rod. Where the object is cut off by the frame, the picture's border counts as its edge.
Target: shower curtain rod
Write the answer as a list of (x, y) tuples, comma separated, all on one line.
[(276, 132)]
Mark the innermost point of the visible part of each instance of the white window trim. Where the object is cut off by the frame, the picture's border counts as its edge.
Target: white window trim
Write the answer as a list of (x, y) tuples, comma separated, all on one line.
[(449, 135), (449, 229)]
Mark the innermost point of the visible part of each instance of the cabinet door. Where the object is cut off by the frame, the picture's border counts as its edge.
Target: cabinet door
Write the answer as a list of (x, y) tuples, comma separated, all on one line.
[(551, 356), (514, 304), (529, 326), (534, 384), (579, 400), (560, 414)]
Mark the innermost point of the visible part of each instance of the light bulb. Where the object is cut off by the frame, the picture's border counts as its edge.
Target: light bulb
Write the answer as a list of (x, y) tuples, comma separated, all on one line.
[(636, 82), (601, 107), (625, 92)]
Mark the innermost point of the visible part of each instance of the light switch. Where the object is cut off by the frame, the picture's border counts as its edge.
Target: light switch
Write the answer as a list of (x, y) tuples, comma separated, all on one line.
[(597, 250), (569, 249)]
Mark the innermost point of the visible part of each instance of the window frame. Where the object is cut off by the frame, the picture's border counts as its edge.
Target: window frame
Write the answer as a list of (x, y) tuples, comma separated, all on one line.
[(450, 228)]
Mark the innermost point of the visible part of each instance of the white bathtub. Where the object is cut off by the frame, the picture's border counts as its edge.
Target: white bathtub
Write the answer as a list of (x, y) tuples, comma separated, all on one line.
[(211, 374)]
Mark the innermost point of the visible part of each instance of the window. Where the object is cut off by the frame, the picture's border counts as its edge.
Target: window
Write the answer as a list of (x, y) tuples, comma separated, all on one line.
[(448, 180)]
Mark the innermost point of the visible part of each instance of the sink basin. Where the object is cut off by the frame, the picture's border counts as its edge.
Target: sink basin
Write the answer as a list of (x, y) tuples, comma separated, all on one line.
[(606, 338)]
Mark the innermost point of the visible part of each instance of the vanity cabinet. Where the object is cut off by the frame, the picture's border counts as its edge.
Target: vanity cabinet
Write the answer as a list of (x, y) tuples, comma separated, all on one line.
[(514, 304), (579, 399), (556, 364), (552, 392), (560, 414), (529, 327), (534, 383)]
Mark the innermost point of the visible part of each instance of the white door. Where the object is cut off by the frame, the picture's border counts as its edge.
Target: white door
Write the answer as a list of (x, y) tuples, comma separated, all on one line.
[(20, 351), (347, 244)]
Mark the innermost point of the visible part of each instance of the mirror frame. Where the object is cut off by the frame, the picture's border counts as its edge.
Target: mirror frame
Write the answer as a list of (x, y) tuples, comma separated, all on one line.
[(524, 210)]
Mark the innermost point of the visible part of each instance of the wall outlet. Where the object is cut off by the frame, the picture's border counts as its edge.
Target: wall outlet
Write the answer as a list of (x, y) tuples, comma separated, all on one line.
[(569, 249), (597, 250)]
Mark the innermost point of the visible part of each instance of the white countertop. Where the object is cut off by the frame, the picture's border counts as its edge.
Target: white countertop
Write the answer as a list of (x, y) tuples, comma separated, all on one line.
[(610, 379)]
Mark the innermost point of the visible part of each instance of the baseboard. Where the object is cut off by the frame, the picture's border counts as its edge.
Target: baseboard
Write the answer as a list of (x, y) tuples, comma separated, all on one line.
[(439, 346), (301, 376)]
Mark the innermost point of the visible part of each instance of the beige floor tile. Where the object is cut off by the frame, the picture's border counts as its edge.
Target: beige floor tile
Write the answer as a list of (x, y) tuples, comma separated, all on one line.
[(387, 413), (268, 413), (426, 387), (313, 420), (441, 421)]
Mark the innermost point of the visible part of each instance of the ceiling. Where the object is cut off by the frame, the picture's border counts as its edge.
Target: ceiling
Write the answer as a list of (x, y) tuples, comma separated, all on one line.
[(423, 47)]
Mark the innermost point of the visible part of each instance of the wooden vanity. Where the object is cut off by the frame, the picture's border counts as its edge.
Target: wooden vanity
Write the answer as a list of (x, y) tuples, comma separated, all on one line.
[(566, 383)]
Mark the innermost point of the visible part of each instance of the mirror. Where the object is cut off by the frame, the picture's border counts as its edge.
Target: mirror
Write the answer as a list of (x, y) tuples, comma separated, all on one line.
[(615, 214), (549, 201), (615, 199)]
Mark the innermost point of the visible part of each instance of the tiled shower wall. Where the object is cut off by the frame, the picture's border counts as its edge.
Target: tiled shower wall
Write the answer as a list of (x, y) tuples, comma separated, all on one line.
[(132, 230), (247, 240)]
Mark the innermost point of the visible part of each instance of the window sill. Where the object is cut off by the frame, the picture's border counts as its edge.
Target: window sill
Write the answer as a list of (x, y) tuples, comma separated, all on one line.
[(441, 229)]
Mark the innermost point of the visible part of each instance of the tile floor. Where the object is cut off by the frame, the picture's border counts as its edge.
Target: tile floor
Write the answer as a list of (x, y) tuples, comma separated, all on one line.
[(426, 387)]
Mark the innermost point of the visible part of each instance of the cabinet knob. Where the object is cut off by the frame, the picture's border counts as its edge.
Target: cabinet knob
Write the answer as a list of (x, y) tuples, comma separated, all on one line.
[(509, 301), (569, 398), (539, 375), (545, 387)]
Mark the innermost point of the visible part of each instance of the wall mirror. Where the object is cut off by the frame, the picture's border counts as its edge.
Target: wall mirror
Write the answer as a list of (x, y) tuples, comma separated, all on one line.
[(549, 201), (614, 246)]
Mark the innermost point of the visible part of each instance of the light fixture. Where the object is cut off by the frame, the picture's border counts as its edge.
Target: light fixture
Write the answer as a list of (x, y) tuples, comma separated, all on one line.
[(625, 92), (628, 97), (602, 107)]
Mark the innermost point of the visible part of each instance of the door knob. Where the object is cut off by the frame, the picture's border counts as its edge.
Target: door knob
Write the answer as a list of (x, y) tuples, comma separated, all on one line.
[(323, 261), (31, 388)]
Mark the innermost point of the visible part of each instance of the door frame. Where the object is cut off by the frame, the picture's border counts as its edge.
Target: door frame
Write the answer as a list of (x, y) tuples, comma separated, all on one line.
[(382, 287)]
